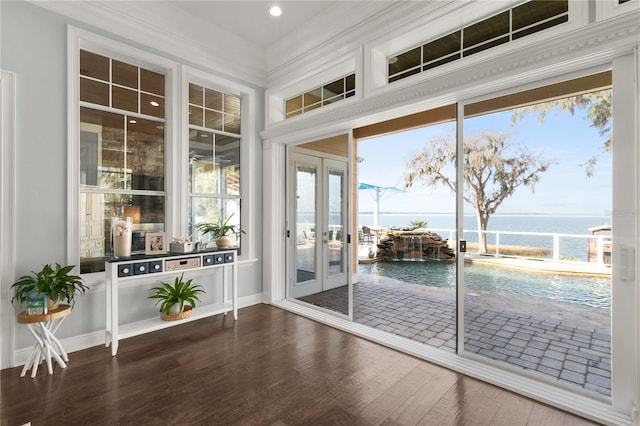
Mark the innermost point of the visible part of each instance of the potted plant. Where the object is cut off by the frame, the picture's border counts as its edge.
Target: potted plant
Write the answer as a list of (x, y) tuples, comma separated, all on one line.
[(220, 230), (178, 300), (58, 283)]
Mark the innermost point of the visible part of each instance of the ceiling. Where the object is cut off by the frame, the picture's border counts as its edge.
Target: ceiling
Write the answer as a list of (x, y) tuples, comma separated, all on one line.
[(251, 20)]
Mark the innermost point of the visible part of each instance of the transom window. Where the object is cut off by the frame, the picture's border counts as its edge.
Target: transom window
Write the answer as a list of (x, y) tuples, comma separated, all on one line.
[(321, 96), (528, 18)]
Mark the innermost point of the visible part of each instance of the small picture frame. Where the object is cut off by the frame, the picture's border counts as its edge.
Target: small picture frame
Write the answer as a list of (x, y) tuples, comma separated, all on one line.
[(155, 243)]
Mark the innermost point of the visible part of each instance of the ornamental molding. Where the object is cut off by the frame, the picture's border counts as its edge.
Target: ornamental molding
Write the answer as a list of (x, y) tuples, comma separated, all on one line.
[(304, 53), (168, 30), (590, 46)]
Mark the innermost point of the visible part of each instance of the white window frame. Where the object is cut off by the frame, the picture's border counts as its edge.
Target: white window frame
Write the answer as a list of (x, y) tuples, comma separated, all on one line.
[(348, 64), (247, 152), (606, 9), (435, 27), (78, 39)]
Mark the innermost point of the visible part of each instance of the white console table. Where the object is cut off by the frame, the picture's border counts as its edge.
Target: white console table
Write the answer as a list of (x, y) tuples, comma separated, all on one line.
[(127, 271)]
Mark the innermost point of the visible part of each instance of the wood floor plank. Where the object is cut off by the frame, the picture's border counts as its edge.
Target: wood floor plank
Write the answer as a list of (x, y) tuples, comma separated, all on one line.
[(451, 408), (269, 368), (425, 398)]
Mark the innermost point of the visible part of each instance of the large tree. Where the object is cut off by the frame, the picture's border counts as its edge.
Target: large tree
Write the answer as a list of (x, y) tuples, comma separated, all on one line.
[(598, 112), (493, 169)]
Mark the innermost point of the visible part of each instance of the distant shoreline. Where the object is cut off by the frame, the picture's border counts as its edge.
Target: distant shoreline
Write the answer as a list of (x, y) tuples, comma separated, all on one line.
[(494, 215)]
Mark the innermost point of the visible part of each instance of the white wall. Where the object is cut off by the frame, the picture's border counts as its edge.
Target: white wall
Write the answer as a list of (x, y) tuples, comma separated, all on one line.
[(34, 46)]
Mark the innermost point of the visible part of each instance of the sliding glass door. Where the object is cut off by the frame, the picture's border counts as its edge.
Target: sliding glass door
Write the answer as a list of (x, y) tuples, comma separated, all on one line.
[(537, 279)]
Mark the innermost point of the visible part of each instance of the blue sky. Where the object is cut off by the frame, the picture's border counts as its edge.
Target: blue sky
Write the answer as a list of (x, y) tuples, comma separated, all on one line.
[(563, 139)]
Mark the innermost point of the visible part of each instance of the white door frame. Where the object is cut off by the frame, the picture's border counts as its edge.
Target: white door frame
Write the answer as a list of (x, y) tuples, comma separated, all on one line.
[(7, 215), (625, 232), (324, 162)]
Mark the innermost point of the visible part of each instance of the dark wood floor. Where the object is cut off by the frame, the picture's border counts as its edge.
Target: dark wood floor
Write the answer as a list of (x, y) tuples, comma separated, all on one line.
[(271, 367)]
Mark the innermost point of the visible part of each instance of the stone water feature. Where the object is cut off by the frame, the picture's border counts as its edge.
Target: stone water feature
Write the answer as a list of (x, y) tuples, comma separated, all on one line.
[(414, 244)]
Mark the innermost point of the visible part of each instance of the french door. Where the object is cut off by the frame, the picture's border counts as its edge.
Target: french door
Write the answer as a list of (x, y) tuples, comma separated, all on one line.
[(317, 228)]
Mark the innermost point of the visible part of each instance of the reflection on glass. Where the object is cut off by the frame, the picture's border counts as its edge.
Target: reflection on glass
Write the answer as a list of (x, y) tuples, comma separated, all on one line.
[(306, 219), (533, 318), (97, 211), (145, 155), (336, 223), (209, 210)]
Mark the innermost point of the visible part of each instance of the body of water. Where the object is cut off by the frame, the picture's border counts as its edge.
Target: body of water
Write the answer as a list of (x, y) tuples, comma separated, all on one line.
[(570, 247), (595, 292)]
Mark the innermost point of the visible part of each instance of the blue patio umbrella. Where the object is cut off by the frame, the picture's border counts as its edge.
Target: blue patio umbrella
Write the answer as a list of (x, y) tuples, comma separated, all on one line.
[(378, 192)]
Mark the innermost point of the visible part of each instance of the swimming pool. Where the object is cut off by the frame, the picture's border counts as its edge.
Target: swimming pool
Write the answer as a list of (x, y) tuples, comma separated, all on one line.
[(595, 292)]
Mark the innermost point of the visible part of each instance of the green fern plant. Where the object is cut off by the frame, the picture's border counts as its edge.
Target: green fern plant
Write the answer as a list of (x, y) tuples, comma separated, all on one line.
[(180, 292)]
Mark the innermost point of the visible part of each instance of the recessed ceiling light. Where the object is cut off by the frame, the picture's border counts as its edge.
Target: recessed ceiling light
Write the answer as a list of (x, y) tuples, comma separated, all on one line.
[(154, 103), (275, 11), (132, 121), (393, 59)]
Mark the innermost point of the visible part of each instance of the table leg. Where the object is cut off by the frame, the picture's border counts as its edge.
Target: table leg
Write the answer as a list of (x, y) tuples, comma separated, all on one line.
[(35, 352)]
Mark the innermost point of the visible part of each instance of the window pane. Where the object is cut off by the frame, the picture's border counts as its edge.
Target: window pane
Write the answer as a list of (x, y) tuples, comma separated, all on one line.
[(333, 89), (293, 104), (486, 30), (99, 211), (124, 74), (213, 119), (351, 82), (232, 104), (442, 61), (486, 46), (204, 174), (232, 123), (195, 115), (101, 149), (311, 98), (535, 11), (209, 210), (543, 26), (145, 154), (94, 92), (442, 47), (94, 66), (124, 99), (196, 94), (152, 105), (214, 163), (405, 61), (152, 82), (213, 99)]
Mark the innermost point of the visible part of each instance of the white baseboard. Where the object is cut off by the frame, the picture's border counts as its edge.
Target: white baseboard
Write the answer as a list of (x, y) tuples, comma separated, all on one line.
[(96, 338)]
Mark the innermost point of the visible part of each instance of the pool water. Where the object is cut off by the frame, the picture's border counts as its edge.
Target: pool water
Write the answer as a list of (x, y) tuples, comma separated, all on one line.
[(595, 292)]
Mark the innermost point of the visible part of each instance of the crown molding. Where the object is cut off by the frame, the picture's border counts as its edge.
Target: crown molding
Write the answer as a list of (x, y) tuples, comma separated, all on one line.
[(165, 28), (345, 29), (593, 45)]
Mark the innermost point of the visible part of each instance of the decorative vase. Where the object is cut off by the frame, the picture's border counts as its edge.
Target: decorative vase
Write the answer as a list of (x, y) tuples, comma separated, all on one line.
[(37, 303), (122, 237)]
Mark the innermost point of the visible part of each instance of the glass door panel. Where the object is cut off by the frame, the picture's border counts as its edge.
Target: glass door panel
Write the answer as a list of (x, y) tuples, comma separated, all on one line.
[(305, 216), (319, 216), (537, 271), (335, 257)]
